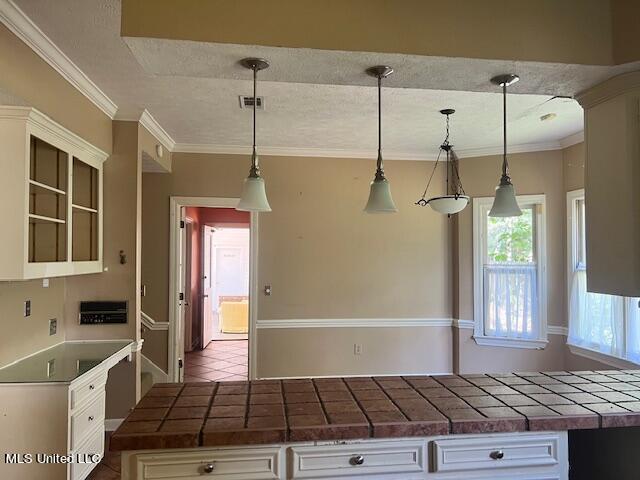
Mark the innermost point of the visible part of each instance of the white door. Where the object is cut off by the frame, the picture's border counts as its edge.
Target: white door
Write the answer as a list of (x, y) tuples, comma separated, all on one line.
[(182, 258), (207, 288)]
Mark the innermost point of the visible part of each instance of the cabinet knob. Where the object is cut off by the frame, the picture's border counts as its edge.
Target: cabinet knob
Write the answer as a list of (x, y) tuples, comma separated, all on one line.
[(91, 418), (497, 454), (356, 460), (209, 467), (91, 387)]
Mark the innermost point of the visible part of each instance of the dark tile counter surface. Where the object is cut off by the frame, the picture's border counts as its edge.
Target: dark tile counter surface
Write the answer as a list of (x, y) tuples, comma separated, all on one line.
[(175, 415)]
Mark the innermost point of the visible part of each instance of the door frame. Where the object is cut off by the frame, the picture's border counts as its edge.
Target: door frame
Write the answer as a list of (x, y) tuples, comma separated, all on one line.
[(175, 308)]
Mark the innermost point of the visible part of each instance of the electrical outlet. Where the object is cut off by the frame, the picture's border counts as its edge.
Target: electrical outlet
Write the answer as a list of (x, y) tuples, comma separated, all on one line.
[(267, 290), (53, 326), (357, 349), (45, 283), (27, 308)]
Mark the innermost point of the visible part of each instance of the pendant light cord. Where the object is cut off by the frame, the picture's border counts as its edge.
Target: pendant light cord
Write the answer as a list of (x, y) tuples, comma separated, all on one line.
[(379, 169), (505, 165)]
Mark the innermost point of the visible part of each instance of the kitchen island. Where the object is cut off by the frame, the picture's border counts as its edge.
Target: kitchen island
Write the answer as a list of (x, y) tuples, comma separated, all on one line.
[(442, 427)]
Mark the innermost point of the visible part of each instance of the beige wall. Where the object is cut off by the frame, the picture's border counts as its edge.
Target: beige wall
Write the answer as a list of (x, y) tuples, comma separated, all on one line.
[(323, 257), (25, 335), (299, 352), (29, 80), (573, 167), (525, 30)]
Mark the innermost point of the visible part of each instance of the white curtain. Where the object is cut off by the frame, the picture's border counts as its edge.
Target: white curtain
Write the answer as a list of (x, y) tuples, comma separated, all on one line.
[(633, 329), (511, 301), (596, 320)]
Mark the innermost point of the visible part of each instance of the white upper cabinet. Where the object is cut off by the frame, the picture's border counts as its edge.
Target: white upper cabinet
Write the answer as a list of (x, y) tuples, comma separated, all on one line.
[(51, 190), (612, 185)]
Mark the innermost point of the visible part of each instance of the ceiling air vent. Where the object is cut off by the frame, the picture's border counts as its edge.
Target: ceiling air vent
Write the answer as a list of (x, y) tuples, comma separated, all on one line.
[(247, 102)]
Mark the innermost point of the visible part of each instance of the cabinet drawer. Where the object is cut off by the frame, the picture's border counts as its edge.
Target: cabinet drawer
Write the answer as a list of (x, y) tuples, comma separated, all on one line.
[(330, 461), (93, 446), (495, 452), (232, 464), (88, 390), (86, 420)]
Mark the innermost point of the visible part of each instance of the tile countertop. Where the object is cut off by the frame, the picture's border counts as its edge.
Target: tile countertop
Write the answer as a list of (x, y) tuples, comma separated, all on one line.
[(174, 415)]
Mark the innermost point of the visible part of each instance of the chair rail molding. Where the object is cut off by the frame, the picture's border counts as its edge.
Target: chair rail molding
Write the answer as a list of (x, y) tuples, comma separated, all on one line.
[(557, 330), (151, 324), (27, 31), (354, 323)]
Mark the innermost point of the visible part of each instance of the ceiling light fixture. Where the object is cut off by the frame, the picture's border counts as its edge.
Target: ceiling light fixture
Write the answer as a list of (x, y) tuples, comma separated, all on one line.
[(455, 199), (380, 200), (505, 203), (254, 196)]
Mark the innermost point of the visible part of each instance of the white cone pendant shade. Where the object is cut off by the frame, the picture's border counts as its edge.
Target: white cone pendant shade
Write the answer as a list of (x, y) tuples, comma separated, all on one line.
[(505, 203), (254, 195), (449, 204), (380, 200)]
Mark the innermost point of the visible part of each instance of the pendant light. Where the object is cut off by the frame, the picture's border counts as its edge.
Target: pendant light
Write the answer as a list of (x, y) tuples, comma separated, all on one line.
[(505, 203), (254, 196), (380, 200), (455, 199)]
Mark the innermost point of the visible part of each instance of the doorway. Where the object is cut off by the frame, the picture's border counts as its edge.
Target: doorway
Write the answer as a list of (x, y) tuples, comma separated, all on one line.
[(213, 276)]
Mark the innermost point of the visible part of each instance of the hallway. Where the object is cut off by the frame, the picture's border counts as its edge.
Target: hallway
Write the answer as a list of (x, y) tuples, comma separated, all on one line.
[(221, 360)]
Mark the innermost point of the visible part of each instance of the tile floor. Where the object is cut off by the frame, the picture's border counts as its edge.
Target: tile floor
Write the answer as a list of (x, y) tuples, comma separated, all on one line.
[(109, 467), (222, 360)]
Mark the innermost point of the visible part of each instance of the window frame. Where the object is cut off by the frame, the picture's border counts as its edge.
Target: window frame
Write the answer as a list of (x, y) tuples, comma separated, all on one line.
[(573, 264), (481, 207)]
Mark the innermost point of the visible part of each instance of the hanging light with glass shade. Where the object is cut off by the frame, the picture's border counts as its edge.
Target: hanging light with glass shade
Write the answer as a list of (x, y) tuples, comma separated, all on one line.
[(455, 199), (254, 196), (505, 203), (380, 200)]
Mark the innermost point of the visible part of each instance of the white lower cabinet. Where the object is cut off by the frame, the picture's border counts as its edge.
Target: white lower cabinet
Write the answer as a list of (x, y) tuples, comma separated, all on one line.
[(370, 458), (513, 456)]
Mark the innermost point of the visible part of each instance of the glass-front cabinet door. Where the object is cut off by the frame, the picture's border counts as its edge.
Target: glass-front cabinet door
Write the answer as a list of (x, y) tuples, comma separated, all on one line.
[(85, 231), (51, 187), (48, 172)]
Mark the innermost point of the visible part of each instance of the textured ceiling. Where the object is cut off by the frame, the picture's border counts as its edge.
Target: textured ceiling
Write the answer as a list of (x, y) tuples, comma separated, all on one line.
[(315, 101)]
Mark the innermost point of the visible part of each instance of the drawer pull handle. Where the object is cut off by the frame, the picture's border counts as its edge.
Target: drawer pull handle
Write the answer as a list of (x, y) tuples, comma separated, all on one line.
[(497, 454), (91, 418), (209, 467), (356, 460), (91, 387)]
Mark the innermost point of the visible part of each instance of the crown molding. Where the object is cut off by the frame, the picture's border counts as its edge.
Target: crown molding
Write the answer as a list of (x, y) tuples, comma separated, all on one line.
[(355, 323), (27, 31), (608, 89), (204, 148), (571, 140), (151, 124)]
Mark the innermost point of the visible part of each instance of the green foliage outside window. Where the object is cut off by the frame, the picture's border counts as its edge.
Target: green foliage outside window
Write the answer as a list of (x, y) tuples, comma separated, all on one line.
[(510, 240)]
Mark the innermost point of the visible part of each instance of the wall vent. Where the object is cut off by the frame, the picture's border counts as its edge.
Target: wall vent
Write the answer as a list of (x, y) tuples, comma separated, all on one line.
[(247, 102)]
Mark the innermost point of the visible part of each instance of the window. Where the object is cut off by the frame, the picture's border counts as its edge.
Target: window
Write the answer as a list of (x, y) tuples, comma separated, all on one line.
[(510, 275), (605, 324)]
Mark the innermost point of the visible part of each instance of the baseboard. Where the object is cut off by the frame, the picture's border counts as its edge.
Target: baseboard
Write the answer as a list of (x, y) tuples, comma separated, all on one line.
[(112, 424), (432, 374), (158, 375)]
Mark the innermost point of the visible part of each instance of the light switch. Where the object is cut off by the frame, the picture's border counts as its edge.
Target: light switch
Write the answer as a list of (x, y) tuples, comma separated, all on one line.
[(53, 326), (27, 308), (267, 290)]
